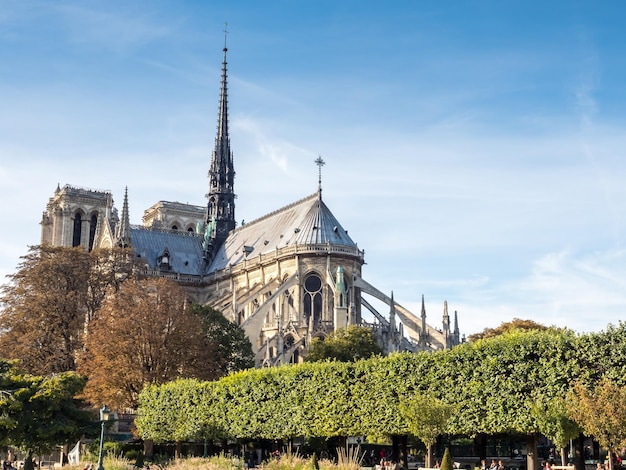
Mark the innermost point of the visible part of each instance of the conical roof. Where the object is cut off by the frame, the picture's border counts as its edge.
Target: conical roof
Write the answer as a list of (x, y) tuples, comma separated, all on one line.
[(305, 223)]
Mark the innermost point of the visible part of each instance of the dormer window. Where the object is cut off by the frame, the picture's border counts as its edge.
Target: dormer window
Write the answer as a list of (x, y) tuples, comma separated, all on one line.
[(164, 261)]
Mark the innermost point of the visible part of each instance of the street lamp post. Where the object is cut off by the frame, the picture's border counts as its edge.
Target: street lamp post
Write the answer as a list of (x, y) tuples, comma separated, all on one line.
[(104, 417)]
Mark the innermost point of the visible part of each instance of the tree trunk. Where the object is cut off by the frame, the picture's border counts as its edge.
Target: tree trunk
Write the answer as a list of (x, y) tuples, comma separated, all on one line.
[(596, 449), (179, 450), (399, 449), (480, 442), (532, 460), (148, 448), (563, 456), (404, 451), (579, 452), (430, 450)]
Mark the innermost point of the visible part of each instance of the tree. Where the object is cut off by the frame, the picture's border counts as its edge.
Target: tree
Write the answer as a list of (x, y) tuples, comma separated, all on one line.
[(601, 412), (555, 422), (49, 300), (515, 324), (345, 345), (427, 418), (38, 413), (145, 333), (233, 348)]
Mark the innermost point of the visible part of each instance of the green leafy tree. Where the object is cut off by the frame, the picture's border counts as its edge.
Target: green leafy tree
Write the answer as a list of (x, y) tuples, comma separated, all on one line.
[(345, 345), (233, 350), (601, 412), (39, 413), (555, 423), (427, 418)]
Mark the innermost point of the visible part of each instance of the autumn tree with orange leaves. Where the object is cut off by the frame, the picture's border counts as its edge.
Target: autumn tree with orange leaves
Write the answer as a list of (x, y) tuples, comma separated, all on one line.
[(146, 333), (48, 302)]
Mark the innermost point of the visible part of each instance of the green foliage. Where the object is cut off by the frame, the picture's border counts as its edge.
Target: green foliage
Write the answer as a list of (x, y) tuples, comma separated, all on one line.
[(514, 382), (234, 350), (345, 345), (553, 420), (39, 413), (426, 416)]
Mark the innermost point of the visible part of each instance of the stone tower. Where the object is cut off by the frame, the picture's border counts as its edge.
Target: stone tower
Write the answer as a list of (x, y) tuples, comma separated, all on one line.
[(75, 216)]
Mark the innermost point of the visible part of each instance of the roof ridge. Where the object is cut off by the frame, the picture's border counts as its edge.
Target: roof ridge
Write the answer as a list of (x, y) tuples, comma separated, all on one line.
[(184, 233), (270, 214)]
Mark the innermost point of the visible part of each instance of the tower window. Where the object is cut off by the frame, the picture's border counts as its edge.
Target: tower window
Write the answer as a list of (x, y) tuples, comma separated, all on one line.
[(78, 225), (92, 230)]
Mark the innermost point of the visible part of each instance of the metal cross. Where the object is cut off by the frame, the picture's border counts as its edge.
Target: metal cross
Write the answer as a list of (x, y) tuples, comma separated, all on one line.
[(320, 163)]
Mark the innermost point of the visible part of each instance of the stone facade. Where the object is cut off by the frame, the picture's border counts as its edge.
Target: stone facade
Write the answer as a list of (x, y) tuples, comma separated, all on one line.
[(286, 278)]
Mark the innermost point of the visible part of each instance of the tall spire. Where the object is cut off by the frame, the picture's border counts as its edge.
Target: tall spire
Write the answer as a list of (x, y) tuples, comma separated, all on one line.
[(446, 325), (221, 197), (123, 231), (423, 335), (457, 333)]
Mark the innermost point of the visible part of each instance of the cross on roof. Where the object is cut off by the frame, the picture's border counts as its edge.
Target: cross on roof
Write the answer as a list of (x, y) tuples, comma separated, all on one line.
[(320, 163)]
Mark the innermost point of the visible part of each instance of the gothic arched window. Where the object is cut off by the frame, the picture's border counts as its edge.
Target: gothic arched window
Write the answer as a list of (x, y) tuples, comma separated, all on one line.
[(313, 297), (92, 230), (78, 225)]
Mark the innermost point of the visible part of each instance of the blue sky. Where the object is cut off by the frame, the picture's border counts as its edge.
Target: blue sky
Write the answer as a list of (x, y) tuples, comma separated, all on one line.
[(474, 150)]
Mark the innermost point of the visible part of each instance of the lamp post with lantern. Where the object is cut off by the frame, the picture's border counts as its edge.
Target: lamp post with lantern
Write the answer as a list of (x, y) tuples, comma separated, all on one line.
[(105, 414)]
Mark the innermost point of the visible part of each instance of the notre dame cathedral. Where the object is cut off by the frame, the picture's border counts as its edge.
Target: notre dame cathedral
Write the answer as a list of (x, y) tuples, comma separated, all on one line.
[(287, 277)]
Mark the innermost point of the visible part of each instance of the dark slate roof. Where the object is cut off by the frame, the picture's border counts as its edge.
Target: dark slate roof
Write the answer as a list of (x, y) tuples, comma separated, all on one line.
[(305, 222), (185, 249)]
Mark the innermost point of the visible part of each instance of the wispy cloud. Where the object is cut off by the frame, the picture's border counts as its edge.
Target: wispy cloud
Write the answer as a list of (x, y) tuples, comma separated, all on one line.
[(128, 26)]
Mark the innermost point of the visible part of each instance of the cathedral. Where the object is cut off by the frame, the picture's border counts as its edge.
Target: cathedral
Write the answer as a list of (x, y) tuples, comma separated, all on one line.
[(286, 278)]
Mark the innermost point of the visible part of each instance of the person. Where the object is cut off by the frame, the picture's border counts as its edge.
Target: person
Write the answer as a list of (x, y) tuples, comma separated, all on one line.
[(494, 465), (500, 465), (437, 463), (551, 455), (599, 466)]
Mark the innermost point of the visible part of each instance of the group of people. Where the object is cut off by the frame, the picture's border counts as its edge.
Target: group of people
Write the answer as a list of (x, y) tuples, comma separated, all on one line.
[(494, 465)]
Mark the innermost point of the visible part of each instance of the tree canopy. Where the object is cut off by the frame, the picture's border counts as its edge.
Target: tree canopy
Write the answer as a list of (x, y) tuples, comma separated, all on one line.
[(601, 412), (50, 299), (345, 344), (427, 418), (233, 350), (515, 324), (145, 333), (38, 413), (491, 386)]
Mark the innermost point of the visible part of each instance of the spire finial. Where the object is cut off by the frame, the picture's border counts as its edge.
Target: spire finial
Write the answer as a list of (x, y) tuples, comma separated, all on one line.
[(225, 33), (320, 163)]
